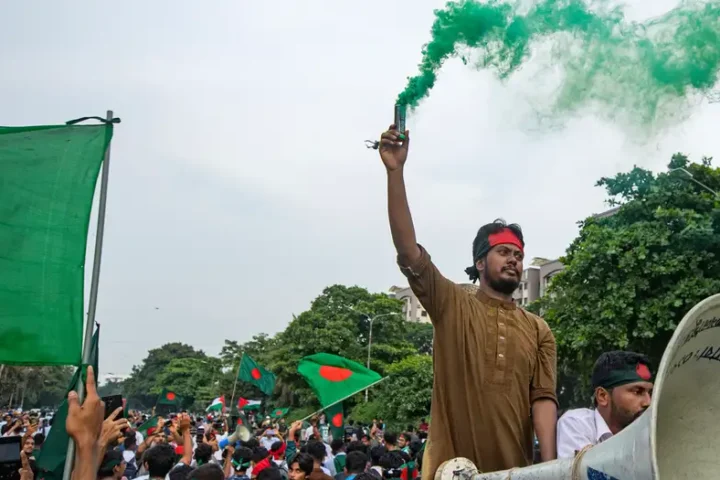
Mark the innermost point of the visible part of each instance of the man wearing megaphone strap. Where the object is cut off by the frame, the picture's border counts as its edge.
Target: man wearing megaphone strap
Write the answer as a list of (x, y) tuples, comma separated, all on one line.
[(622, 387), (494, 364)]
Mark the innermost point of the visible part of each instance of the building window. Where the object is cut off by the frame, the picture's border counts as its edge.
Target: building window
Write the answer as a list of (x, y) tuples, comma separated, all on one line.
[(423, 313)]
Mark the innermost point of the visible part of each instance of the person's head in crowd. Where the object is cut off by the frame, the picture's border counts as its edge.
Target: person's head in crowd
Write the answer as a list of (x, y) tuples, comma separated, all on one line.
[(180, 472), (111, 466), (337, 445), (422, 435), (391, 441), (7, 417), (314, 420), (365, 476), (203, 454), (251, 443), (159, 460), (410, 429), (358, 446), (376, 453), (296, 436), (270, 473), (261, 460), (300, 466), (365, 439), (317, 451), (415, 447), (130, 442), (622, 387), (208, 471), (39, 439), (277, 450), (29, 445), (355, 462), (241, 461), (392, 464), (498, 254), (404, 440)]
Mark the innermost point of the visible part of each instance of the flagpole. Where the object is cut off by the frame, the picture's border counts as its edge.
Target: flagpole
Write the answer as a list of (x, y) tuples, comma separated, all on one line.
[(94, 283), (237, 374), (342, 399)]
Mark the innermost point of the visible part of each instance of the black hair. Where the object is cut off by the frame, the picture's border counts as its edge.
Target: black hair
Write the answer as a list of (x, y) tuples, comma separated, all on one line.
[(208, 471), (391, 464), (259, 454), (269, 473), (251, 443), (317, 450), (357, 446), (276, 446), (415, 447), (355, 462), (422, 435), (39, 439), (406, 436), (304, 461), (160, 460), (608, 362), (390, 438), (129, 441), (112, 459), (365, 476), (203, 453), (481, 244), (242, 455), (376, 454), (180, 472), (336, 445)]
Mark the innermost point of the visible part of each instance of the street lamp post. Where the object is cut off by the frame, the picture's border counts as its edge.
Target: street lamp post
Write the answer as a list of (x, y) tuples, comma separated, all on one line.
[(695, 180), (372, 319)]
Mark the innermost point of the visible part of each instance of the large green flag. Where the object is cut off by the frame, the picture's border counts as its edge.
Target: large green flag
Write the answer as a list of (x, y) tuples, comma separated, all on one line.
[(253, 373), (334, 378), (47, 182), (335, 415), (51, 460), (169, 398)]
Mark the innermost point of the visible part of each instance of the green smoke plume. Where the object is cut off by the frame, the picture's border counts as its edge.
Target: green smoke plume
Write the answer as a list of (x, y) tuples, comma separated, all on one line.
[(645, 69)]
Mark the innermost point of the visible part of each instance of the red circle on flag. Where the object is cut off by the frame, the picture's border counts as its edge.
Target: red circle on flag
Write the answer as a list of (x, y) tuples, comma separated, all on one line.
[(239, 422), (337, 420), (278, 412), (255, 373), (170, 396), (335, 374), (643, 371)]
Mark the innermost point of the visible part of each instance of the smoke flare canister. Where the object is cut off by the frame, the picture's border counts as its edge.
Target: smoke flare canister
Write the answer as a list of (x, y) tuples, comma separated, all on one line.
[(400, 114)]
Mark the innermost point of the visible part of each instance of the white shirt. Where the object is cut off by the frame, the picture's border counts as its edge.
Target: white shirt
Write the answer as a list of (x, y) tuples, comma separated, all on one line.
[(579, 428)]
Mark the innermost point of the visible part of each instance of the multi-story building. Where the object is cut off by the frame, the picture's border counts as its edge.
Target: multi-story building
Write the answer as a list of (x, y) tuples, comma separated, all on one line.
[(412, 310)]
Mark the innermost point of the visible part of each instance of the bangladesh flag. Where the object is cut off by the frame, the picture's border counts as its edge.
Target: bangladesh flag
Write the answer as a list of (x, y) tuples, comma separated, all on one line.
[(336, 419), (253, 373), (334, 378), (249, 405), (47, 183), (279, 413), (168, 397), (51, 461), (152, 422)]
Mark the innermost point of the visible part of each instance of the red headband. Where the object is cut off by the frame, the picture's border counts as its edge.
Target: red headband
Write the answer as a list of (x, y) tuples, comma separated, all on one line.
[(505, 236)]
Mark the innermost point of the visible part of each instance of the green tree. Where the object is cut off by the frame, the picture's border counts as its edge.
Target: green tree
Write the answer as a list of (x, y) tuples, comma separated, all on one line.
[(338, 322), (630, 277), (32, 387), (111, 387), (420, 335), (141, 388), (194, 379), (407, 393)]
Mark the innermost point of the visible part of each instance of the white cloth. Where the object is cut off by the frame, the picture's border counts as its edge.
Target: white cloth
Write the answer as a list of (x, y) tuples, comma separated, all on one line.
[(307, 433), (128, 455), (218, 454), (329, 463), (579, 428), (267, 442), (139, 438)]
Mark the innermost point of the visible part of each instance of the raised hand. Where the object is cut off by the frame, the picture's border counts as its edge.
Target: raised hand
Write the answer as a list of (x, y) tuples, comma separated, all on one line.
[(112, 429), (394, 148), (84, 423)]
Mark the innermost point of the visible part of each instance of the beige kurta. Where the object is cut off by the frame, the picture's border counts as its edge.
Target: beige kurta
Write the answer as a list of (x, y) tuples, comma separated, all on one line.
[(491, 361)]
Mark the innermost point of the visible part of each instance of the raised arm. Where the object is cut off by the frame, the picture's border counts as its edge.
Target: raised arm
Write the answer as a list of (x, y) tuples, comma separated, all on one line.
[(393, 152)]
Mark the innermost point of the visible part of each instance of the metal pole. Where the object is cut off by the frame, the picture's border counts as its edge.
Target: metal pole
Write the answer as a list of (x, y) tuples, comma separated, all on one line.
[(94, 282), (369, 347), (237, 374)]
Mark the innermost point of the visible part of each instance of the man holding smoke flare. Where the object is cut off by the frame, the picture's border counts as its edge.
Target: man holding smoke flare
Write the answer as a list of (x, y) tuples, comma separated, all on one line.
[(494, 363)]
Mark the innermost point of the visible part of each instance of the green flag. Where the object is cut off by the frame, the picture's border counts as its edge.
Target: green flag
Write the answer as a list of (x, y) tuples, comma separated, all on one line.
[(47, 182), (169, 398), (51, 460), (334, 378), (279, 413), (253, 373), (152, 422), (335, 415)]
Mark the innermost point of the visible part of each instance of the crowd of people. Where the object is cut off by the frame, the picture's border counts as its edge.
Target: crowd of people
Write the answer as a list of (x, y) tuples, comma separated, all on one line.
[(186, 447)]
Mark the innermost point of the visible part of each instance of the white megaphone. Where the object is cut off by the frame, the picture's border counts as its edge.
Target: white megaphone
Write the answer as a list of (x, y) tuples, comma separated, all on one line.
[(677, 438)]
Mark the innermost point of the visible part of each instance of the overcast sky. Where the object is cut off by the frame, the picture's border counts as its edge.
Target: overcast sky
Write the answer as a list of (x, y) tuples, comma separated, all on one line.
[(240, 186)]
